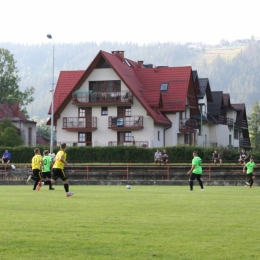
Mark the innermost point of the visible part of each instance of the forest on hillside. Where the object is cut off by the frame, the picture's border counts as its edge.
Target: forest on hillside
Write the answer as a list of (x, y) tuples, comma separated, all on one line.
[(238, 76)]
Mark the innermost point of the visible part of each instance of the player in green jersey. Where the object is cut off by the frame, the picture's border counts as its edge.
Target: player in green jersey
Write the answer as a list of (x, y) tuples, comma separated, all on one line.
[(195, 171), (250, 171), (47, 164)]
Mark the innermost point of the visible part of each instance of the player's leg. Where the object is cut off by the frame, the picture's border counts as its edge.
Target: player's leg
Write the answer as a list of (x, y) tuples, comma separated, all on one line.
[(191, 179), (36, 177), (63, 176), (200, 181), (48, 177)]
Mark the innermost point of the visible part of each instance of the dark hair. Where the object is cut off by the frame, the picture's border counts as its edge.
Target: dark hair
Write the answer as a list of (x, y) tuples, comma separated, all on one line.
[(195, 152), (63, 145), (252, 157)]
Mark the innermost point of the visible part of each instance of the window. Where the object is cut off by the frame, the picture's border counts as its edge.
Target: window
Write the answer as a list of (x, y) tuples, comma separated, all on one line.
[(186, 139), (29, 136), (105, 86), (158, 135), (164, 86), (124, 137), (104, 111), (123, 111), (236, 134), (85, 138), (82, 137), (85, 112)]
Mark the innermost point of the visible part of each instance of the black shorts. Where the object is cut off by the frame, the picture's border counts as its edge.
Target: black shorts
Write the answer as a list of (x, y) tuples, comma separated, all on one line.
[(46, 175), (58, 173), (195, 176), (250, 175), (37, 173), (6, 160)]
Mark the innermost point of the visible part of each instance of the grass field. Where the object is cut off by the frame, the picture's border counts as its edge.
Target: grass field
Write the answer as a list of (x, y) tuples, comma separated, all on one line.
[(145, 222)]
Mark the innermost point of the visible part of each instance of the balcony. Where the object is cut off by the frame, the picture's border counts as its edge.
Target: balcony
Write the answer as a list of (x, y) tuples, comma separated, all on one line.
[(74, 143), (188, 125), (143, 144), (125, 123), (244, 143), (84, 97), (223, 120), (80, 123)]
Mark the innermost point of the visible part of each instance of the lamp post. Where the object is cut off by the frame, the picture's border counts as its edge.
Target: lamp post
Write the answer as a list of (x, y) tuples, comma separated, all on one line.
[(52, 90)]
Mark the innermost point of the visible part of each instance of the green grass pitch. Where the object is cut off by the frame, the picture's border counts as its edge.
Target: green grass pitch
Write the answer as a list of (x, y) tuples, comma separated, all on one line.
[(144, 222)]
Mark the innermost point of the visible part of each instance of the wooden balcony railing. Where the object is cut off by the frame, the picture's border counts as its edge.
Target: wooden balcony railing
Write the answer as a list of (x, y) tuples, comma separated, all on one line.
[(80, 122), (244, 143), (244, 124), (223, 120), (143, 144), (129, 122), (188, 125), (86, 97), (191, 101)]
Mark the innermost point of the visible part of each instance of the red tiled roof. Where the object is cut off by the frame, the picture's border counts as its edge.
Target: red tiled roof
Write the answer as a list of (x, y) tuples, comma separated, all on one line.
[(12, 112), (66, 82), (178, 79)]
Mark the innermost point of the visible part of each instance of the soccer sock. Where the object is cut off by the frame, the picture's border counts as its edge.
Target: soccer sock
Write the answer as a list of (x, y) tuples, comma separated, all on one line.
[(35, 184), (50, 186), (48, 182), (191, 185), (201, 184), (66, 187)]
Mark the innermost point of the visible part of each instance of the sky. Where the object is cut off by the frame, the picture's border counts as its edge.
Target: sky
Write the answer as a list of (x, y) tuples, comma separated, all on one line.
[(137, 21)]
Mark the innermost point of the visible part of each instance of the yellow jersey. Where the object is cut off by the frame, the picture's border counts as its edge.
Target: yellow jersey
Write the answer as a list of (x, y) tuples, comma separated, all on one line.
[(58, 163), (36, 162)]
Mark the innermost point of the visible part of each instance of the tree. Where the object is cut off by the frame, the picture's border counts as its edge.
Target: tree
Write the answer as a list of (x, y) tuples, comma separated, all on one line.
[(9, 80), (9, 135), (253, 125)]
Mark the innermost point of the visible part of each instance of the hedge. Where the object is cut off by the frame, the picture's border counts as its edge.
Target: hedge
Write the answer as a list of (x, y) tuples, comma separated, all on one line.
[(122, 154)]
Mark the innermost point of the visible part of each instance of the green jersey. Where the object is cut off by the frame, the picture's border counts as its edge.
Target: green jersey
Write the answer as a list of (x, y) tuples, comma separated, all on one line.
[(46, 164), (197, 162), (250, 167)]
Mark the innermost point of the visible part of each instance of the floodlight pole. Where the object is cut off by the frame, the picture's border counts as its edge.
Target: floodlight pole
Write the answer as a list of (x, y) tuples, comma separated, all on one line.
[(52, 92)]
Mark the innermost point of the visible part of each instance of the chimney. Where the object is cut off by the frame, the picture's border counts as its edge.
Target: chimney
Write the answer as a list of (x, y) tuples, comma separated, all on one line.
[(139, 64), (119, 54), (16, 109)]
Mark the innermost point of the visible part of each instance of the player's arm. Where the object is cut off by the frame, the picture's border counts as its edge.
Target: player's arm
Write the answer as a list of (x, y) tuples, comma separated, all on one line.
[(41, 163), (62, 159), (192, 168)]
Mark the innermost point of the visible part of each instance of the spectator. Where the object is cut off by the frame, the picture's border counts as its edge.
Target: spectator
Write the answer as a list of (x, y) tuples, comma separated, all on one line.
[(133, 140), (165, 157), (157, 157), (52, 155), (216, 158), (6, 158), (243, 157)]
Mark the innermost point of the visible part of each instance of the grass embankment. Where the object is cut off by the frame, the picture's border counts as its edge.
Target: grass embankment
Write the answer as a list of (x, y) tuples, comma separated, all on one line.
[(145, 222)]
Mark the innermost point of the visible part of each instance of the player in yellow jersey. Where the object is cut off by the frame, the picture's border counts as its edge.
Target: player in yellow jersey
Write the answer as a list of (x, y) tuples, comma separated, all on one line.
[(58, 171), (37, 166)]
